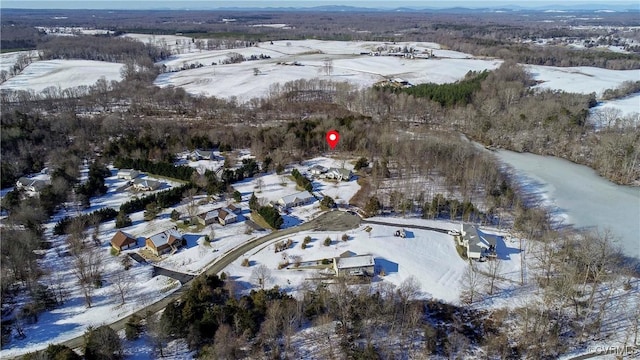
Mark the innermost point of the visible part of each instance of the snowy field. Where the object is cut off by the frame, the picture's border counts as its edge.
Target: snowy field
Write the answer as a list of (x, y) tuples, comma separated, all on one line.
[(239, 80), (428, 256), (7, 60), (580, 79), (63, 74), (628, 107)]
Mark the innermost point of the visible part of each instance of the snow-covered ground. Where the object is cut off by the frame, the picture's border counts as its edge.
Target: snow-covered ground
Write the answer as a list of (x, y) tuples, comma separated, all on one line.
[(428, 256), (580, 79), (239, 80), (63, 74), (7, 60), (605, 113), (276, 186)]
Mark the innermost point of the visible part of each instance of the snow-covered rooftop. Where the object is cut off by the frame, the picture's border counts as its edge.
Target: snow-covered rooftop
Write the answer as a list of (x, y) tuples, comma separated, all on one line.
[(354, 261)]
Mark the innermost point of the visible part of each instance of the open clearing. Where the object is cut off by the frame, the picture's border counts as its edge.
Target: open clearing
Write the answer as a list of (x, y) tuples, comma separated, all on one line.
[(64, 74)]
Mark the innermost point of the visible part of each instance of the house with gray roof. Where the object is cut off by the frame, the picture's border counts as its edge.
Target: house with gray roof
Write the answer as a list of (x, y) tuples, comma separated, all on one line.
[(297, 199), (146, 184), (169, 240), (477, 243), (339, 174)]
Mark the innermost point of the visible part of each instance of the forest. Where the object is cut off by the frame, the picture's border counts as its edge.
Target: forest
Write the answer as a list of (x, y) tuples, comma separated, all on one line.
[(135, 124)]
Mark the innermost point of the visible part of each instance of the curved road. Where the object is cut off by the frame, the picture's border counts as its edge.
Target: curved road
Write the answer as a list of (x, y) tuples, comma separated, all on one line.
[(333, 220)]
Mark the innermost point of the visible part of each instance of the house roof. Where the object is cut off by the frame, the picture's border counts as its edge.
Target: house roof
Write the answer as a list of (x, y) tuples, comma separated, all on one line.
[(121, 239), (127, 171), (234, 208), (203, 153), (354, 261), (477, 240), (38, 183), (147, 183), (209, 215), (165, 237), (318, 167), (293, 198), (342, 172), (347, 254), (226, 213)]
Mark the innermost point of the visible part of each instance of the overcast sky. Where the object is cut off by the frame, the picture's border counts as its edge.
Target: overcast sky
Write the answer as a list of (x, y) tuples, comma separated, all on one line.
[(178, 4)]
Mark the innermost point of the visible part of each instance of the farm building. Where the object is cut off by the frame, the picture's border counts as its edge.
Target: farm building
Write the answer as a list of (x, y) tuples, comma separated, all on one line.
[(146, 184), (358, 265), (128, 174), (121, 240), (170, 240), (339, 174), (297, 199)]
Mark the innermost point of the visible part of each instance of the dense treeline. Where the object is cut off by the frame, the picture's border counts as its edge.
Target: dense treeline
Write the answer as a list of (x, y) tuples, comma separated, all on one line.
[(155, 167), (365, 322), (103, 48), (95, 217), (448, 95)]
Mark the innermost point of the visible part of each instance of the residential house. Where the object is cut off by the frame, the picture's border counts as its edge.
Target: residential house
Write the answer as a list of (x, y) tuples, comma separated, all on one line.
[(235, 209), (354, 265), (146, 184), (208, 217), (477, 243), (297, 199), (339, 174), (317, 170), (33, 184), (128, 174), (226, 216), (121, 240), (170, 240), (202, 155)]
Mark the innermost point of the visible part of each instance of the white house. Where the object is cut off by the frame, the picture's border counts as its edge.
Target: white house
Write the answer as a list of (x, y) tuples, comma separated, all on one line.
[(298, 199), (358, 265), (146, 184), (339, 174), (128, 174)]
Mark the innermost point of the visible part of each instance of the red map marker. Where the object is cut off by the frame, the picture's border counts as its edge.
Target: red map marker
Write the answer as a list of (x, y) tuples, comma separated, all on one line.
[(332, 138)]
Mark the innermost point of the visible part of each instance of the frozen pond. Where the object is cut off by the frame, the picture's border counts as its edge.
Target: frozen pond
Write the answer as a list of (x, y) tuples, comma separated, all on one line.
[(579, 196)]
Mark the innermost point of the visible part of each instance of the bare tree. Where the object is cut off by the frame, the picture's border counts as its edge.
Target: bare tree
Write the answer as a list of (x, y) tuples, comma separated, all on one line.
[(261, 275), (158, 333), (88, 267), (192, 206), (259, 184), (471, 284), (327, 67), (494, 270), (122, 285)]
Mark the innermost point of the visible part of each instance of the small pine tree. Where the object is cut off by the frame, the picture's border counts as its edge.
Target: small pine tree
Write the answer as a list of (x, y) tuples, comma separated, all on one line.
[(327, 241)]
